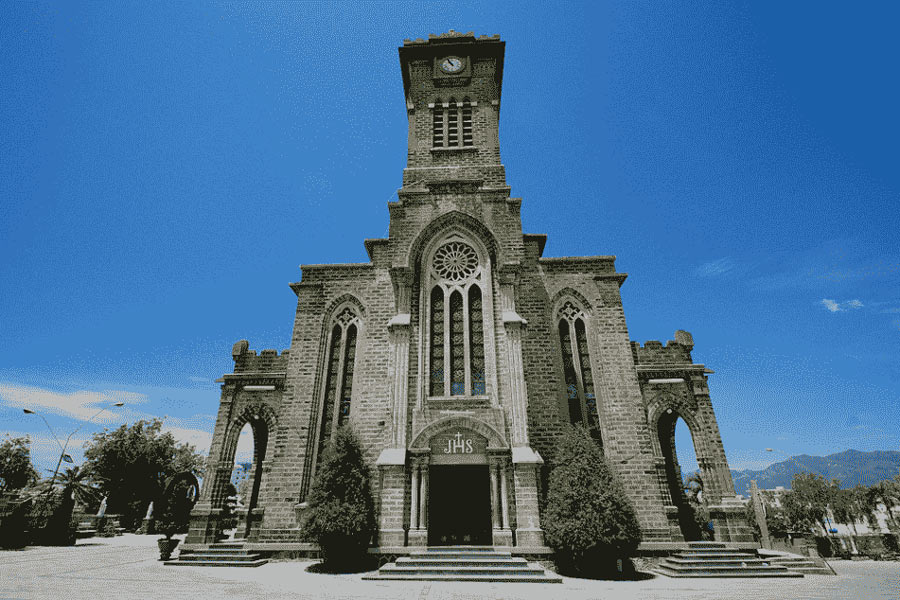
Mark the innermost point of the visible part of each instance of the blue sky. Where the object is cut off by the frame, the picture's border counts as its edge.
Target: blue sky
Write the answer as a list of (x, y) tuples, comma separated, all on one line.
[(165, 168)]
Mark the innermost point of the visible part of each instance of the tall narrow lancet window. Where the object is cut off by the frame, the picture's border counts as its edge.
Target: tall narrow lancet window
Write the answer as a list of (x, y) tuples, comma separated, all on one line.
[(347, 385), (437, 124), (579, 379), (338, 375), (437, 342), (456, 340), (565, 341), (476, 341), (333, 375), (457, 346), (466, 122), (453, 124)]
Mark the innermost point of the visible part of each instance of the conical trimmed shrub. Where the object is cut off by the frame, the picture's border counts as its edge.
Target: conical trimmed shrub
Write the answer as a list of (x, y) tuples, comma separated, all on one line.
[(341, 512), (589, 521)]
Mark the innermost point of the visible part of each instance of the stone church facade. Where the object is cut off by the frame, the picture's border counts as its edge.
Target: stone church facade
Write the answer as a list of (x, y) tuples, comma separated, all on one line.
[(458, 353)]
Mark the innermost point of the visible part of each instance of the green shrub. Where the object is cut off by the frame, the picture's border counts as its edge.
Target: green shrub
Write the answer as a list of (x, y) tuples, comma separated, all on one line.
[(174, 515), (341, 513), (50, 520), (14, 523), (589, 521)]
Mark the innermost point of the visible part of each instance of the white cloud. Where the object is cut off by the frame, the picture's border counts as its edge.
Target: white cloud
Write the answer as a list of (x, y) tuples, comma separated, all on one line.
[(45, 450), (831, 305), (196, 437), (714, 268), (834, 306), (81, 405)]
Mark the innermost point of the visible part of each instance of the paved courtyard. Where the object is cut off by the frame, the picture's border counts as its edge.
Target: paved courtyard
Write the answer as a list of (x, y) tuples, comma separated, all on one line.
[(127, 567)]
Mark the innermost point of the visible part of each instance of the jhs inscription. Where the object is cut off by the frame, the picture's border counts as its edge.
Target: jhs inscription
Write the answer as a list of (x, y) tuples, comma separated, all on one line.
[(458, 445)]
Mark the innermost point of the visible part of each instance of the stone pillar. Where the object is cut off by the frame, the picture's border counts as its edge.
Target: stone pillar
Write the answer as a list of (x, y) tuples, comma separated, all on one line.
[(418, 533), (399, 363), (205, 514), (423, 498), (495, 512), (393, 480), (504, 496), (760, 512), (502, 534), (526, 460), (414, 498), (516, 380), (528, 520)]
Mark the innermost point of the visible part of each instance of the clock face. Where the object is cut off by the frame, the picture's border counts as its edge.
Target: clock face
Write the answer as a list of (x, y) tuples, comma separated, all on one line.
[(452, 64)]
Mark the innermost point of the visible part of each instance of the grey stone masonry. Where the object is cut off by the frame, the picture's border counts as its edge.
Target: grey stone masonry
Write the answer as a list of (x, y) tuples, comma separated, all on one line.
[(460, 349)]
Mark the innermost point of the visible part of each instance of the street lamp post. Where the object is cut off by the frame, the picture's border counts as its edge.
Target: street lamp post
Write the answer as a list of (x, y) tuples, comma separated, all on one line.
[(62, 455)]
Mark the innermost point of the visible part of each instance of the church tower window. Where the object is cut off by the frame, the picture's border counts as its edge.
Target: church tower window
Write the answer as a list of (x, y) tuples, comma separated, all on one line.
[(456, 322), (577, 373), (338, 375), (451, 124), (437, 125)]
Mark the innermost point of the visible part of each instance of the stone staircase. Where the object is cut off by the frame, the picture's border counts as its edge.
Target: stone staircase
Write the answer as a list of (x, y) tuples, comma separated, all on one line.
[(222, 554), (715, 559), (464, 563), (801, 564)]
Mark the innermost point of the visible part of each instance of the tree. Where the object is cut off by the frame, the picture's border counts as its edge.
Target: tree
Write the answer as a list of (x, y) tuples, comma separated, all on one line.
[(806, 504), (56, 503), (16, 470), (341, 513), (133, 464), (699, 513), (887, 493), (589, 521)]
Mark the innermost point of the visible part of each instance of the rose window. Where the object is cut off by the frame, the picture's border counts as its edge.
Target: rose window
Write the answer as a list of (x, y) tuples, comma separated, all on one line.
[(455, 261)]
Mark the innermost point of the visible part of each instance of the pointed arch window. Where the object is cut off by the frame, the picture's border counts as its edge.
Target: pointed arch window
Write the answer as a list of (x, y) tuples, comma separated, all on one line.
[(456, 322), (451, 123), (579, 379), (338, 375)]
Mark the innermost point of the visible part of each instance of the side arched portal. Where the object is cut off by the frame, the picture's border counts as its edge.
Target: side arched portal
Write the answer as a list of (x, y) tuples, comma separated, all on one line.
[(248, 477), (688, 521)]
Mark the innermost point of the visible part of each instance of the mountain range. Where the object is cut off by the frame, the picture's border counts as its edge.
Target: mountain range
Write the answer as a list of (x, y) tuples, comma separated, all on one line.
[(851, 467)]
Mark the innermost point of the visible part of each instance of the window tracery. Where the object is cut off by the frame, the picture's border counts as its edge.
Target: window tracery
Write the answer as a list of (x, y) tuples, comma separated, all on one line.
[(340, 367), (577, 373), (456, 348)]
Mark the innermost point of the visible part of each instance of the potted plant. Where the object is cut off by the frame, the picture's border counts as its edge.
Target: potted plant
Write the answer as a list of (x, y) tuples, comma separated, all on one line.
[(173, 517), (166, 524)]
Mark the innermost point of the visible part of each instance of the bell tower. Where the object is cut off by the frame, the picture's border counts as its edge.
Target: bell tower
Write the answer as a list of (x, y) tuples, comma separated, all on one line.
[(452, 86)]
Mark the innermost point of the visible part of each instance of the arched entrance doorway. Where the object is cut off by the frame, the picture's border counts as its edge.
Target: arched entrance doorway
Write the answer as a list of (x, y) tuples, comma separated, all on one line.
[(457, 490)]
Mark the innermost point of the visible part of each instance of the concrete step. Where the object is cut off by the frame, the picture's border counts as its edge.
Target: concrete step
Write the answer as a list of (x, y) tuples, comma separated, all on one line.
[(715, 555), (458, 577), (725, 572), (712, 559), (800, 564), (469, 563), (707, 544), (219, 552), (459, 555), (227, 554), (441, 568), (208, 556), (216, 563), (475, 562), (721, 562)]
